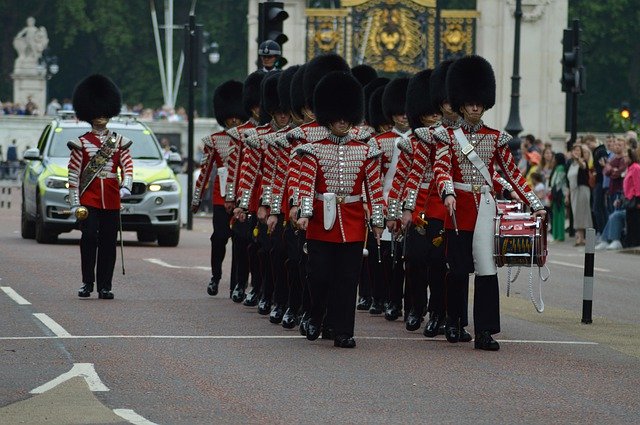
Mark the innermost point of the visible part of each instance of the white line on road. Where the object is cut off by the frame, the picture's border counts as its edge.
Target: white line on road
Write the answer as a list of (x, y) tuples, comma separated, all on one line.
[(255, 337), (52, 325), (162, 263), (84, 370), (577, 266), (132, 417), (14, 295)]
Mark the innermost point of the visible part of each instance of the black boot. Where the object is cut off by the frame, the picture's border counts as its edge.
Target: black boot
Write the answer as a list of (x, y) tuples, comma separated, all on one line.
[(376, 307), (484, 341), (290, 319), (392, 312), (252, 298), (464, 335), (276, 314), (105, 294), (452, 330), (212, 288), (85, 290), (364, 303), (303, 324), (413, 321), (264, 307), (432, 327), (344, 341), (238, 294)]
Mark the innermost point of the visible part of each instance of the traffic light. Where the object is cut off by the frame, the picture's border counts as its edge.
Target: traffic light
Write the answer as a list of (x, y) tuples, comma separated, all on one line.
[(573, 72), (271, 16), (625, 111)]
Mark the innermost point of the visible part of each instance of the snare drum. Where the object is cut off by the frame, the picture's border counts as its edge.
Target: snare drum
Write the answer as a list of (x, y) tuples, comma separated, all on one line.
[(518, 237), (506, 207)]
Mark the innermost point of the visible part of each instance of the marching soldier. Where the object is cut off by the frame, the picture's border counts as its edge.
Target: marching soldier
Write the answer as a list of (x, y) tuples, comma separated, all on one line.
[(333, 173), (227, 104), (95, 159), (242, 230), (364, 74), (464, 170)]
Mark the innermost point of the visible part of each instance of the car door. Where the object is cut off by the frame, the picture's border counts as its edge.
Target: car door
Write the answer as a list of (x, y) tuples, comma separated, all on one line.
[(32, 172)]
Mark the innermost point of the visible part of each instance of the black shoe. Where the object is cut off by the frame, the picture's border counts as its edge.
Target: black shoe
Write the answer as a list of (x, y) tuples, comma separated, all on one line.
[(212, 289), (290, 319), (452, 333), (85, 290), (364, 303), (433, 326), (344, 341), (252, 298), (327, 333), (105, 294), (413, 321), (392, 312), (276, 314), (264, 307), (304, 321), (376, 307), (238, 294), (313, 331), (464, 335), (484, 341)]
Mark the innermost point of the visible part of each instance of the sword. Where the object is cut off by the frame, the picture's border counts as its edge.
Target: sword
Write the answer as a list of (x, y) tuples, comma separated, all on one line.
[(455, 223), (121, 241)]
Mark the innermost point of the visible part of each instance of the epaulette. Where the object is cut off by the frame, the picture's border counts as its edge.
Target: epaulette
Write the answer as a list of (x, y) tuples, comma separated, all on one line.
[(405, 146), (295, 134), (374, 152), (504, 139), (74, 144), (304, 149), (233, 132), (281, 140), (251, 138), (424, 134), (316, 133), (207, 141), (441, 134), (362, 134)]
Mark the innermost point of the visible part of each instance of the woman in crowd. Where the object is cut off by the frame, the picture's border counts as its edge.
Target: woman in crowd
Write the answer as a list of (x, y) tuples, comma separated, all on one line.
[(559, 196), (578, 176)]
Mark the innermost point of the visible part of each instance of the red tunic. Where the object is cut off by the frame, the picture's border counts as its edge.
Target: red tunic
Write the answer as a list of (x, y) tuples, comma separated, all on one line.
[(215, 155), (104, 190), (235, 158)]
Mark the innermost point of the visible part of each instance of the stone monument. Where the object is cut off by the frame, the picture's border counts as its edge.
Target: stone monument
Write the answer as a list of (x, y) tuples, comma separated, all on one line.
[(29, 75)]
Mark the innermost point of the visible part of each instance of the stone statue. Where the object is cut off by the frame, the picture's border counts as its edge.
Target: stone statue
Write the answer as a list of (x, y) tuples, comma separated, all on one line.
[(30, 42)]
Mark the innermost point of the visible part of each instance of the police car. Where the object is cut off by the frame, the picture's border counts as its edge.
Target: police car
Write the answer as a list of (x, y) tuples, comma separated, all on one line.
[(152, 210)]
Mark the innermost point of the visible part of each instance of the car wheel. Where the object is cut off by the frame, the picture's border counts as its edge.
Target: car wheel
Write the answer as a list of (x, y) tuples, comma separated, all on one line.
[(146, 236), (171, 238), (43, 235), (27, 227)]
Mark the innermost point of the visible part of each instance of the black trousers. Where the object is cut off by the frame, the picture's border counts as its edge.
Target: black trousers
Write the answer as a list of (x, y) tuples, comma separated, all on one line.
[(425, 267), (219, 238), (278, 257), (386, 270), (303, 267), (364, 284), (486, 302), (98, 242), (334, 269), (292, 265), (260, 262), (242, 238)]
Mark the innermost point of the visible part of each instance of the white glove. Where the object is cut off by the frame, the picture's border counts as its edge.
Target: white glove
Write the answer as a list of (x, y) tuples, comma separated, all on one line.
[(124, 192)]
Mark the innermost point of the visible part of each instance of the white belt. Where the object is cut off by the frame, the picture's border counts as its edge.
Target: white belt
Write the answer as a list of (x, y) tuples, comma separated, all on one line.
[(474, 188), (106, 175), (341, 199)]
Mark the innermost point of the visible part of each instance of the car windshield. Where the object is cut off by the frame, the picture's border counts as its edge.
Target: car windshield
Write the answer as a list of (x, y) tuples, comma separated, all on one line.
[(144, 144)]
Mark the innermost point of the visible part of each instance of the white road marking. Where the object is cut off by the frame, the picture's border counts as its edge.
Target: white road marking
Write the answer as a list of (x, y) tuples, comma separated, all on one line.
[(577, 266), (52, 325), (255, 337), (171, 266), (14, 295), (133, 417), (84, 370)]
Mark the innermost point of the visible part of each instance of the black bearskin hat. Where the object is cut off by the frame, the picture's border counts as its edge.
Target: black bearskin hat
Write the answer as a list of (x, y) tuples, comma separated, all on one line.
[(96, 97), (284, 87), (297, 91), (419, 99), (394, 97), (270, 103), (368, 91), (364, 74), (376, 116), (338, 96), (438, 84), (227, 102), (317, 68), (471, 80), (251, 91)]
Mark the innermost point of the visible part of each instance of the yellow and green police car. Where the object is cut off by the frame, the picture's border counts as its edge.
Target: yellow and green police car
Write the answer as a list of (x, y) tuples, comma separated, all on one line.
[(152, 210)]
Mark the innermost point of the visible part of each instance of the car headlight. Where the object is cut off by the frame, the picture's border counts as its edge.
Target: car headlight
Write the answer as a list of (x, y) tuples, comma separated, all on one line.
[(164, 185), (54, 182)]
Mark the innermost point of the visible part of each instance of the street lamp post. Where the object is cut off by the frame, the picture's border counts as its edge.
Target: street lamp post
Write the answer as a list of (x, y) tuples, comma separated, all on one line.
[(210, 55), (514, 126), (49, 64)]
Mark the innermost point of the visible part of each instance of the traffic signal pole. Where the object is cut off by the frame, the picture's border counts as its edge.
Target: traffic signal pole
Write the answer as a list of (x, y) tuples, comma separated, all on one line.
[(573, 75), (576, 87)]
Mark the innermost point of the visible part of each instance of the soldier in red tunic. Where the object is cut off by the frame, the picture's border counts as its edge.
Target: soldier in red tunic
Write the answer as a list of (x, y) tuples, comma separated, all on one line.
[(227, 106), (464, 170), (334, 171), (96, 157)]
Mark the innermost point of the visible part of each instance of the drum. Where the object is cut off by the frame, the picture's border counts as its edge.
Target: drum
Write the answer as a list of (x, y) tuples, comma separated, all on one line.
[(505, 206), (520, 240)]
